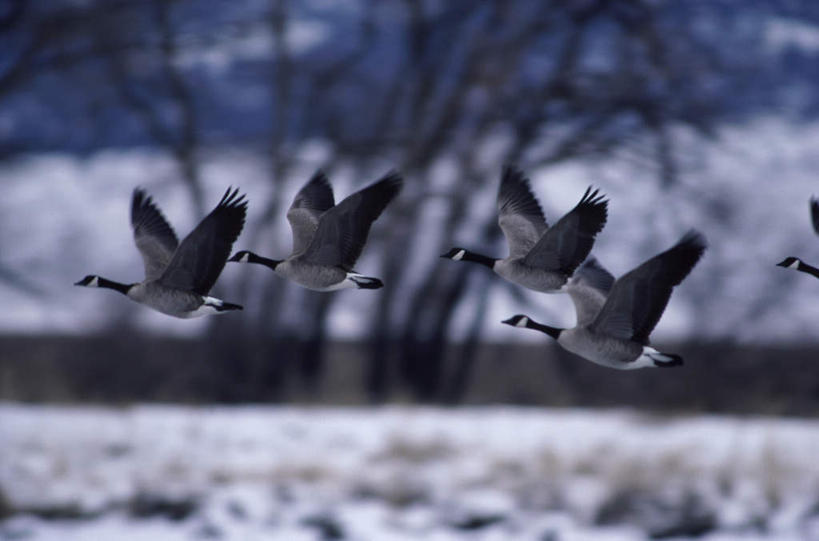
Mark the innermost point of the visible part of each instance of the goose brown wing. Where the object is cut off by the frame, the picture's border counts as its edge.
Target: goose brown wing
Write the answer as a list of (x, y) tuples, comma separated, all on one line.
[(568, 242), (588, 289), (201, 256), (638, 299), (315, 197), (519, 214), (153, 236), (342, 230)]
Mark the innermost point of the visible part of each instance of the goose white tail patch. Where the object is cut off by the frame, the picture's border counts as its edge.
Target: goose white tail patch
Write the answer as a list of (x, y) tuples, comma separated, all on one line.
[(211, 305), (459, 255), (347, 283), (653, 358), (646, 359)]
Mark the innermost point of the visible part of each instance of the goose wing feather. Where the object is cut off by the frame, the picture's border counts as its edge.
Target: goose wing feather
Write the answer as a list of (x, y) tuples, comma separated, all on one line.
[(568, 242), (153, 236), (201, 256), (588, 290), (638, 299), (315, 198), (519, 214), (342, 230)]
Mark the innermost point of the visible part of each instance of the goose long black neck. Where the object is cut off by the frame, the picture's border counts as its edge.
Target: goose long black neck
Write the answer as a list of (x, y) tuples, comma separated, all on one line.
[(554, 332), (116, 286), (804, 267), (98, 281)]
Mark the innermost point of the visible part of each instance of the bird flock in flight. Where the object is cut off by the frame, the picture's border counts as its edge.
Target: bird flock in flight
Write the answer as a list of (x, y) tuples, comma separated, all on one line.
[(614, 316)]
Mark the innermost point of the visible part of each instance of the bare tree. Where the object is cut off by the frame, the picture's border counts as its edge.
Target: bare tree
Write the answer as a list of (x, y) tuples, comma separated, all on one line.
[(410, 84)]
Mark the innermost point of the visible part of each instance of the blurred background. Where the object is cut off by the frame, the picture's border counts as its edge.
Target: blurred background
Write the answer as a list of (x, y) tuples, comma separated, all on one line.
[(686, 114)]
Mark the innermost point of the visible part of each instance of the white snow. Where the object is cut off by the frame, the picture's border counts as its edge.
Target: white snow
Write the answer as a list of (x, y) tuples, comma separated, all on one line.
[(400, 472), (783, 32)]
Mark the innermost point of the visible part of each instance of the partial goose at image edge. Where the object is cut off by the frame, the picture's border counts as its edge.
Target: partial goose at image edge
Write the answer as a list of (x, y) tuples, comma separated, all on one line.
[(796, 263)]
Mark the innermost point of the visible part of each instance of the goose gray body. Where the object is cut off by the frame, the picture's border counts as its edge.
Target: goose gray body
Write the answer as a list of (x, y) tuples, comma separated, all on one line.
[(320, 277), (541, 258), (588, 289), (537, 279), (603, 349), (328, 238), (794, 262), (615, 320), (179, 276)]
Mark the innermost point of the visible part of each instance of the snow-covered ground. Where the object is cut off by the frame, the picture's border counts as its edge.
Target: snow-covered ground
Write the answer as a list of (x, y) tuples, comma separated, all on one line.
[(495, 473)]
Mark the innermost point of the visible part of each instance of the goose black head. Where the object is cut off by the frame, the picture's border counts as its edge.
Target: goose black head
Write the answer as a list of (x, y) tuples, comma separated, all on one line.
[(242, 256), (525, 321), (92, 280), (517, 321), (455, 254), (789, 263)]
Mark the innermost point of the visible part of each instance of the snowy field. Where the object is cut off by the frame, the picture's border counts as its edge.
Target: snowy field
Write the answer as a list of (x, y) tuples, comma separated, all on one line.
[(288, 473)]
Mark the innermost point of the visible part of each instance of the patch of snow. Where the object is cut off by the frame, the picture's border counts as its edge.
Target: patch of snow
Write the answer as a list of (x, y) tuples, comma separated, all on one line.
[(781, 33), (397, 472)]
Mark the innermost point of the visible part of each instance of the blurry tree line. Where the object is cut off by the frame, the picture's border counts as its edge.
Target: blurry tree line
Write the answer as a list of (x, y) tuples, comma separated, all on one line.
[(108, 369), (439, 90)]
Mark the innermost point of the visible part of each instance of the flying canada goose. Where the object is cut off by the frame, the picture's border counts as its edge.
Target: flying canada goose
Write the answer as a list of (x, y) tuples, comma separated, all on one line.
[(615, 332), (796, 263), (541, 258), (328, 239), (178, 276)]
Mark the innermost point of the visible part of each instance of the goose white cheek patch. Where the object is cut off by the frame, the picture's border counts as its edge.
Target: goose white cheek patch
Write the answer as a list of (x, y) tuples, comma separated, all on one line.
[(459, 255), (522, 323)]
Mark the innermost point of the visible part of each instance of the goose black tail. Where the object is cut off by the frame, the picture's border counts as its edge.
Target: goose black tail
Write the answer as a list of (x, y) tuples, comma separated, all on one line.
[(227, 306), (367, 282), (666, 360)]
